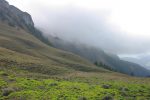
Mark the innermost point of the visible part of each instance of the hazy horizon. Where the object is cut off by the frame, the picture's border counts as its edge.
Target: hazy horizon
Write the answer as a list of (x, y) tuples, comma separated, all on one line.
[(116, 26)]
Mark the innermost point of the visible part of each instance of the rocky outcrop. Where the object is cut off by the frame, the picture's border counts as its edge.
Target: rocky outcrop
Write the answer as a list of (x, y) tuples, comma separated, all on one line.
[(16, 18)]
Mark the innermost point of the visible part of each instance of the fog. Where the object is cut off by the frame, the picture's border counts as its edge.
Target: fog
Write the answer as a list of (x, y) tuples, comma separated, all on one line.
[(116, 26)]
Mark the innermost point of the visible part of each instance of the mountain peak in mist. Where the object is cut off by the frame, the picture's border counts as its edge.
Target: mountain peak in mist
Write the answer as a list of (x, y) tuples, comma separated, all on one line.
[(14, 17), (4, 2)]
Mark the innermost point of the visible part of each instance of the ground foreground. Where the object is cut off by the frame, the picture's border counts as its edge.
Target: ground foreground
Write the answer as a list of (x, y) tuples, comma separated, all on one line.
[(21, 85)]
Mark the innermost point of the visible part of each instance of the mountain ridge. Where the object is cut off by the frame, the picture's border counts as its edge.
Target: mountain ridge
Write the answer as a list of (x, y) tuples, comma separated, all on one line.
[(143, 61), (96, 55)]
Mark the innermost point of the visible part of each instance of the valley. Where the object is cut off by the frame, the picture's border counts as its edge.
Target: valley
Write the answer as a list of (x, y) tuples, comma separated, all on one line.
[(33, 67)]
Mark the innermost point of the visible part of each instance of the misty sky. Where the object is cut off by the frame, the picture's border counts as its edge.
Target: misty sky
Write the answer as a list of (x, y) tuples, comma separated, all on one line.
[(117, 26)]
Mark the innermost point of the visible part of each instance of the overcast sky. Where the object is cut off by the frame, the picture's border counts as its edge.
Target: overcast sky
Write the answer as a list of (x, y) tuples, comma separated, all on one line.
[(117, 26)]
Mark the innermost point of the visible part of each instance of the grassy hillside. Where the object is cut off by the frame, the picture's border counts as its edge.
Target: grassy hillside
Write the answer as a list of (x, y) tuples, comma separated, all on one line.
[(20, 48), (22, 85), (31, 70)]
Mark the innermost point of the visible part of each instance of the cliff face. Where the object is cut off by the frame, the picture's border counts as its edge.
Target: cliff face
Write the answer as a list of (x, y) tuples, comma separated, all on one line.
[(15, 17)]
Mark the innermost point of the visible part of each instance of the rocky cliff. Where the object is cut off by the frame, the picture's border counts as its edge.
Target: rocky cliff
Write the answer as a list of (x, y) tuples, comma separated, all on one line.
[(16, 18)]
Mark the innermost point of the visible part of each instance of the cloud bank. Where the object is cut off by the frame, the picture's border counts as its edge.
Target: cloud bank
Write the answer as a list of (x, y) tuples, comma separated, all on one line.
[(89, 22)]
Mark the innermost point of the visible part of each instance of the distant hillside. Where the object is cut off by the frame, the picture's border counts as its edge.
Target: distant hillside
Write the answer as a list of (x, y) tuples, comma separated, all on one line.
[(143, 61), (95, 55)]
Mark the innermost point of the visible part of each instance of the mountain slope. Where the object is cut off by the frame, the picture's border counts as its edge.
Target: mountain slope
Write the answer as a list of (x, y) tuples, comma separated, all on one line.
[(22, 45), (96, 55), (22, 20), (143, 61), (19, 48)]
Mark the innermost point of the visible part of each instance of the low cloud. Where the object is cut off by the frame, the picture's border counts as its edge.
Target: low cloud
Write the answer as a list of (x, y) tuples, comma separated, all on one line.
[(87, 26)]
